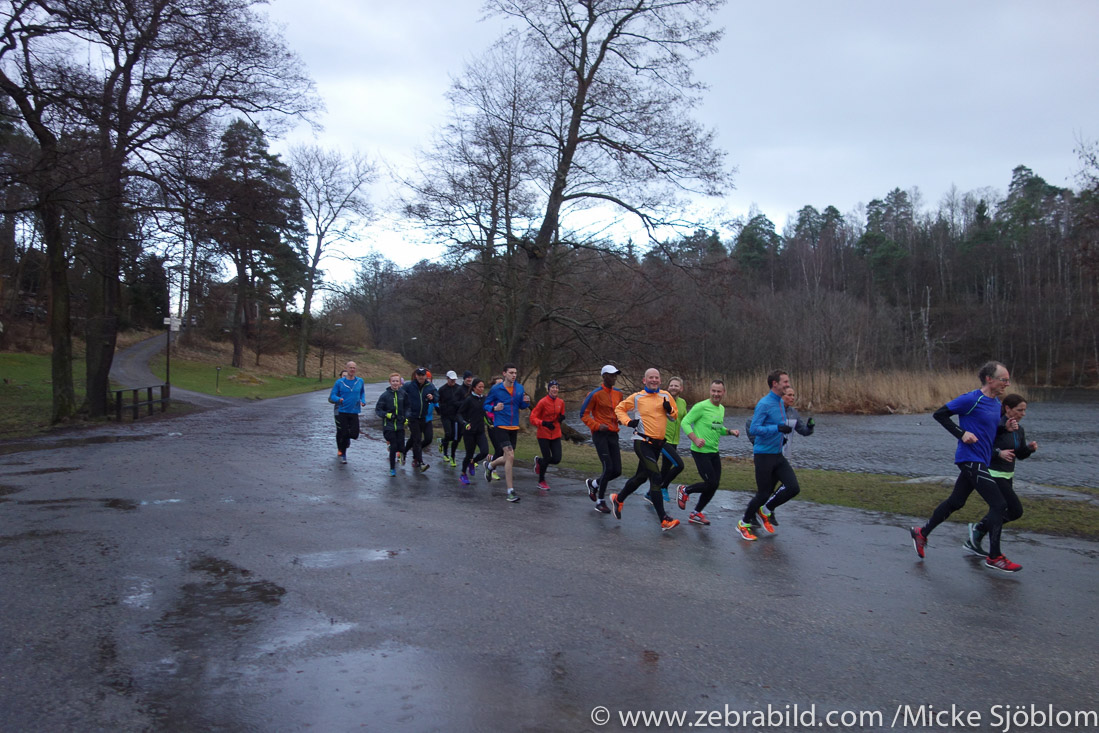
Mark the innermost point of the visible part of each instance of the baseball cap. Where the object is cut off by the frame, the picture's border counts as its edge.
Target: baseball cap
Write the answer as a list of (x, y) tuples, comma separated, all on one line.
[(451, 375), (421, 370), (608, 369), (467, 374)]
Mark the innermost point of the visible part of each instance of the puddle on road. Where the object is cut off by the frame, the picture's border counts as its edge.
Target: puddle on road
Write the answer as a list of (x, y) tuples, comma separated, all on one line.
[(37, 534), (406, 688), (340, 558), (50, 444), (44, 471), (227, 598), (127, 505)]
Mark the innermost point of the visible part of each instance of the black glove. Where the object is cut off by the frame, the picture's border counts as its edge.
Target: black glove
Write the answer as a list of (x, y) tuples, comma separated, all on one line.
[(633, 423), (784, 428), (667, 407), (549, 424)]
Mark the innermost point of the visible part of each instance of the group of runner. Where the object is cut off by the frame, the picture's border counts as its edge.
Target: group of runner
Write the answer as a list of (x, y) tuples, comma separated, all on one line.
[(474, 414)]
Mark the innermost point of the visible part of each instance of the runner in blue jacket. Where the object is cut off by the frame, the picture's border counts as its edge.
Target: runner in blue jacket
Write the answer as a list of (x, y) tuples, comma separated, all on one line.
[(349, 396)]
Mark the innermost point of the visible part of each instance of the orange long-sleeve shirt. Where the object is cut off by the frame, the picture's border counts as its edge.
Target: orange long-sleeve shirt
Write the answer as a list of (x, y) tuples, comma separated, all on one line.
[(649, 407), (598, 408)]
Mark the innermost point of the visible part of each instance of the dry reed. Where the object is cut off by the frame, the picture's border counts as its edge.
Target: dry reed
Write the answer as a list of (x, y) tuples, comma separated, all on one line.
[(872, 393)]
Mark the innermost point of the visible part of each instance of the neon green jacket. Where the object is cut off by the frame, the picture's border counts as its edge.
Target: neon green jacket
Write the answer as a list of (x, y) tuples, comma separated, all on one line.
[(673, 425), (707, 421)]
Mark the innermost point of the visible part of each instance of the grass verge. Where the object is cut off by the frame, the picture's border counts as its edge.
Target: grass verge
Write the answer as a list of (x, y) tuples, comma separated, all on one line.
[(201, 376), (26, 394), (869, 491)]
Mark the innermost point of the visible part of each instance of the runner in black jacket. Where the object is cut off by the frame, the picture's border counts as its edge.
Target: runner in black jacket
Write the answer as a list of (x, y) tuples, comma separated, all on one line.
[(450, 399), (471, 415)]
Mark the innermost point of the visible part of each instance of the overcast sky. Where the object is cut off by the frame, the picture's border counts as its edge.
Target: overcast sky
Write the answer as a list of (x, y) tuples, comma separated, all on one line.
[(819, 103)]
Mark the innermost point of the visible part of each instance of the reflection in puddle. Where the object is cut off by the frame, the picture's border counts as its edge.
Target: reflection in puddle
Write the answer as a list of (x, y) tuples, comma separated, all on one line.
[(338, 558), (287, 632), (140, 593), (409, 688)]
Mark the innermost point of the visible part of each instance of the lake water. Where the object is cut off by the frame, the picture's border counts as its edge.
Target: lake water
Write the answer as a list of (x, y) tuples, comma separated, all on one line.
[(1064, 422)]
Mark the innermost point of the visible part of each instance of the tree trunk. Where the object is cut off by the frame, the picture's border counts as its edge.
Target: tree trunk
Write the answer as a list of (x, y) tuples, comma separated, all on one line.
[(61, 358), (104, 290), (306, 325)]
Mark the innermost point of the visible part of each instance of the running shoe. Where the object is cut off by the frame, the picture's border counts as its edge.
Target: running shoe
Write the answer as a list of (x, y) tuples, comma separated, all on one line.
[(392, 472), (681, 496), (423, 467), (512, 496), (745, 531), (765, 521), (974, 540), (488, 471), (698, 518), (664, 494), (774, 519), (400, 457), (463, 479), (601, 506), (538, 465), (616, 505), (667, 523), (543, 486), (1002, 563), (343, 458), (593, 489), (918, 540), (339, 454)]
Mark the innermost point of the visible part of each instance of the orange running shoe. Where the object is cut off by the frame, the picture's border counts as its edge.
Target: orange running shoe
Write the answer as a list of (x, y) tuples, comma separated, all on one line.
[(745, 531)]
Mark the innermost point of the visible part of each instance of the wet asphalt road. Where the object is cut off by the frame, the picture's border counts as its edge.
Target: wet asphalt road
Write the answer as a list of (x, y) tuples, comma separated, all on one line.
[(221, 571)]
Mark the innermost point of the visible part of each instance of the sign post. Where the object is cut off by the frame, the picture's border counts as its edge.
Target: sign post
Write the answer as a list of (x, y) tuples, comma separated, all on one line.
[(173, 325)]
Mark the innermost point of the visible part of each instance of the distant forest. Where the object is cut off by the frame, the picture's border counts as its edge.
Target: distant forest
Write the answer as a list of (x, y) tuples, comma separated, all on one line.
[(980, 276)]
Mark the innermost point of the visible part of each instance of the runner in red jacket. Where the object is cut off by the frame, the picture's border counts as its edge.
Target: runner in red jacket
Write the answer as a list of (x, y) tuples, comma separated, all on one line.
[(547, 416)]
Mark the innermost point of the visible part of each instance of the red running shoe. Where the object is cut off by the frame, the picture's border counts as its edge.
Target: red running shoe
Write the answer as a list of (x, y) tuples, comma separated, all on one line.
[(918, 540), (1002, 563)]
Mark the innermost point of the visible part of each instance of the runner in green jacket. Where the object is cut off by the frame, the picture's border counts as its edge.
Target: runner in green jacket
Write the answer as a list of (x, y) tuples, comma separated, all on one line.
[(704, 425)]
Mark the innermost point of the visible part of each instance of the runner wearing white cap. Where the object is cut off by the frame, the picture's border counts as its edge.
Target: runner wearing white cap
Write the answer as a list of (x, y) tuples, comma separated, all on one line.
[(597, 412), (450, 399)]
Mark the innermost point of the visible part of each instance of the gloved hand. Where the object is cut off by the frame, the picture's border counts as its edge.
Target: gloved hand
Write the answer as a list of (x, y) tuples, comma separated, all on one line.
[(784, 428), (633, 423), (811, 423), (549, 424), (389, 416), (667, 406)]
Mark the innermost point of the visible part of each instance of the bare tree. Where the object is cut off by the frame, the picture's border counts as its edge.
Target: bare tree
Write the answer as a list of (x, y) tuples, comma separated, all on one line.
[(136, 73), (592, 110), (333, 191)]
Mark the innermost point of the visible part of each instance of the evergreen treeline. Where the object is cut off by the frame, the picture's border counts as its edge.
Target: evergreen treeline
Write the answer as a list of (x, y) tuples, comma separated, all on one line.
[(890, 287)]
